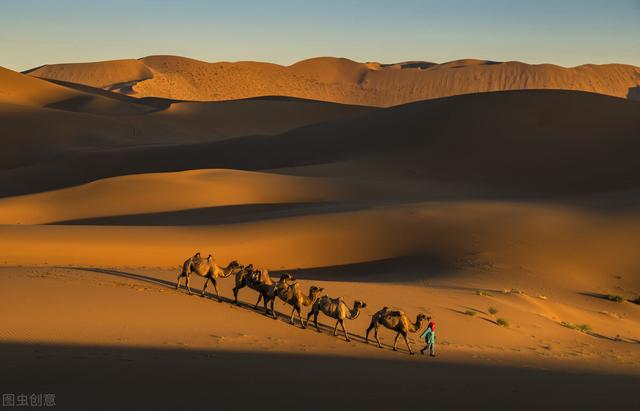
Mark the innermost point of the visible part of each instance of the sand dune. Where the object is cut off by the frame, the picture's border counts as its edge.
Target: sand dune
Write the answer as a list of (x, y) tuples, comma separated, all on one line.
[(16, 88), (152, 193), (523, 143), (41, 119), (505, 240), (337, 79), (103, 74)]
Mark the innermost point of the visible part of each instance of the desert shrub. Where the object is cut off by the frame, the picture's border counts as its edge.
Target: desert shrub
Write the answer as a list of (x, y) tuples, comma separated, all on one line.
[(585, 328), (482, 292), (493, 310), (502, 322), (637, 300), (615, 298), (470, 312)]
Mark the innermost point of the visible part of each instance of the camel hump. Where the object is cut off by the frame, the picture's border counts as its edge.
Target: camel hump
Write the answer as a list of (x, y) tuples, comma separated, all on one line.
[(395, 313), (210, 258)]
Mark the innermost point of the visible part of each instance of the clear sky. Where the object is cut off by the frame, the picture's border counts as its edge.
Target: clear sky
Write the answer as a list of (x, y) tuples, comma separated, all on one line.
[(565, 32)]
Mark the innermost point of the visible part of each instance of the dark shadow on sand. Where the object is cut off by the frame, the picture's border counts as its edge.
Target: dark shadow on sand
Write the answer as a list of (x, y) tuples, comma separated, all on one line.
[(131, 378), (404, 269), (218, 215)]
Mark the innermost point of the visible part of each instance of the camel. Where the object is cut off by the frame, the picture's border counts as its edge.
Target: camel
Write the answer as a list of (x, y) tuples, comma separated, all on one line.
[(294, 296), (261, 281), (396, 321), (207, 268), (268, 292), (335, 308)]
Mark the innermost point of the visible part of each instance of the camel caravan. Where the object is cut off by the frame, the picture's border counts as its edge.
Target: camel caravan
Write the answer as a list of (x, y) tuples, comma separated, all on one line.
[(290, 293)]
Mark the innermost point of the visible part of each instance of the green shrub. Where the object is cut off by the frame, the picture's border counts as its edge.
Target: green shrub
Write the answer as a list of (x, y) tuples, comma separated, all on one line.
[(585, 328), (502, 322), (637, 301), (470, 312), (616, 298), (482, 292), (493, 310)]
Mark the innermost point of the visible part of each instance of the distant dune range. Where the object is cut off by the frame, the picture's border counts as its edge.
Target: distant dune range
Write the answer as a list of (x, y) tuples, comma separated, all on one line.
[(337, 79), (41, 119)]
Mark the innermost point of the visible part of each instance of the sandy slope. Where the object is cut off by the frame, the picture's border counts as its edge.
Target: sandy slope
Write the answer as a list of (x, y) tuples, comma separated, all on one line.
[(164, 192), (338, 79), (179, 350)]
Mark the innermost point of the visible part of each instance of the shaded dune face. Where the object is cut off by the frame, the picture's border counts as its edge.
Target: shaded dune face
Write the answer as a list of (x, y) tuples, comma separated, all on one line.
[(41, 119), (518, 143), (337, 79)]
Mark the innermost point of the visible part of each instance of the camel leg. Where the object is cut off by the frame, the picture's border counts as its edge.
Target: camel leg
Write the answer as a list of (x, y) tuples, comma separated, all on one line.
[(206, 282), (407, 341), (395, 342), (315, 319), (264, 301), (335, 329), (300, 317), (273, 311), (292, 313), (346, 334), (178, 282), (375, 334), (366, 337), (255, 307), (215, 287), (188, 288), (235, 295)]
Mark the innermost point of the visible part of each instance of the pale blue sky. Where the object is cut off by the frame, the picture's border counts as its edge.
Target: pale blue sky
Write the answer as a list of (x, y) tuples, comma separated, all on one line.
[(565, 32)]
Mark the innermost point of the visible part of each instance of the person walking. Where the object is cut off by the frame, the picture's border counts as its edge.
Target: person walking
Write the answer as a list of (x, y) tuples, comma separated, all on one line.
[(429, 335)]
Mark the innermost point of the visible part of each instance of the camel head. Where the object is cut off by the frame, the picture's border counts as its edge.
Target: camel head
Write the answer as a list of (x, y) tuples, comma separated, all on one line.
[(210, 258), (315, 291), (420, 318), (197, 255), (234, 264), (359, 304), (286, 277)]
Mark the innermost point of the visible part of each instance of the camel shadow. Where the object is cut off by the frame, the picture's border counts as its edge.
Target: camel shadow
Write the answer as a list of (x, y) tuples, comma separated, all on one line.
[(131, 276), (149, 280), (241, 304), (325, 328)]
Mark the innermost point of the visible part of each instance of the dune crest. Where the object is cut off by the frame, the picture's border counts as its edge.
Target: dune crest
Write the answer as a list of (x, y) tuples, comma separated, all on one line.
[(337, 79)]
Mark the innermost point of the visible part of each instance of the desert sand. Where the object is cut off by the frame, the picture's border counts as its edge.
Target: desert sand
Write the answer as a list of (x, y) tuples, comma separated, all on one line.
[(523, 201)]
